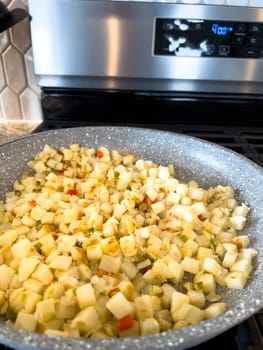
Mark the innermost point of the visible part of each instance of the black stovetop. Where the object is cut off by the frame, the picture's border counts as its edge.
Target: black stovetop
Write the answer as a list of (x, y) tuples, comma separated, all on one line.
[(232, 122)]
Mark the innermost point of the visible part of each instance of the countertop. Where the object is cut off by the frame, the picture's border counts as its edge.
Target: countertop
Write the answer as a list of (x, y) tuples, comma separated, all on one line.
[(15, 129)]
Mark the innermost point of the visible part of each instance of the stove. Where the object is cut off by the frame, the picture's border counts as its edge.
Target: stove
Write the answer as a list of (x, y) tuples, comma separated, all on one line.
[(193, 67)]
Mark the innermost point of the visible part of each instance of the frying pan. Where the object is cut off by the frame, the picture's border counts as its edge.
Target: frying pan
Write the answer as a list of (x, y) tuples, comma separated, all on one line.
[(193, 159)]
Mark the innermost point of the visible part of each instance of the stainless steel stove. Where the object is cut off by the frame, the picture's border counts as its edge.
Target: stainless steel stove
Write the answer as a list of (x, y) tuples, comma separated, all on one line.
[(193, 67)]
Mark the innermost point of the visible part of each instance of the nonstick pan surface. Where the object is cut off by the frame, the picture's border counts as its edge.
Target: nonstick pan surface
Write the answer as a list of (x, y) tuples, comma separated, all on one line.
[(193, 159)]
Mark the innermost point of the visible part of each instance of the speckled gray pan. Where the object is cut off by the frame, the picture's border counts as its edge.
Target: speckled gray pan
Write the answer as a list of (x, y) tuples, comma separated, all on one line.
[(202, 161)]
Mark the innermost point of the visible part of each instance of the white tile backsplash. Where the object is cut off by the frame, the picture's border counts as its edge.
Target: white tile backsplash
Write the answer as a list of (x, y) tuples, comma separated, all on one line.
[(19, 93)]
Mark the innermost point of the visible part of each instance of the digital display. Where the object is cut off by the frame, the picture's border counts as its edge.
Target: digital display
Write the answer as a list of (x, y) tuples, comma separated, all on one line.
[(184, 37), (218, 29)]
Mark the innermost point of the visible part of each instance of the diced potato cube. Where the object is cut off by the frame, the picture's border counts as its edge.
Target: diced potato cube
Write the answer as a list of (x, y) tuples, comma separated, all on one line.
[(85, 295), (21, 248), (87, 320), (143, 307), (229, 259), (214, 310), (8, 237), (110, 263), (129, 268), (158, 207), (167, 296), (33, 285), (6, 276), (61, 262), (196, 298), (190, 265), (149, 326), (205, 282), (37, 213), (128, 246), (70, 215), (43, 274), (64, 311), (26, 321), (55, 291), (126, 288), (236, 279), (30, 301), (211, 265), (119, 306), (45, 310), (177, 300), (27, 266), (242, 265), (94, 252), (189, 313)]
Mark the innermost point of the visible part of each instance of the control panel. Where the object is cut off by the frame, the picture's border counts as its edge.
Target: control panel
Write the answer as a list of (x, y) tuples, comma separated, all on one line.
[(208, 38)]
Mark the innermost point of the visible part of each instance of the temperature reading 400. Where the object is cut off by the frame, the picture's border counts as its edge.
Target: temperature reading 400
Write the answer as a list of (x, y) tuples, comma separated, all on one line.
[(221, 30)]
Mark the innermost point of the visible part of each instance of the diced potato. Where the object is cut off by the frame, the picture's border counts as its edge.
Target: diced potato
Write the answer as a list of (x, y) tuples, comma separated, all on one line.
[(33, 285), (64, 311), (21, 248), (85, 295), (149, 326), (236, 279), (45, 310), (110, 263), (94, 243), (143, 307), (8, 237), (190, 265), (43, 274), (61, 262), (178, 299), (128, 246), (129, 268), (26, 321), (26, 268), (30, 301), (119, 306), (196, 298), (55, 290), (87, 321), (211, 265), (37, 213), (189, 313), (6, 276), (214, 310), (94, 252)]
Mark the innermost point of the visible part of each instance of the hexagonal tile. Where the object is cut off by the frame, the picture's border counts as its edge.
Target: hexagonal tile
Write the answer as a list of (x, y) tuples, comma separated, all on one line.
[(6, 2), (4, 40), (30, 105), (2, 76), (14, 69), (1, 114), (10, 105), (25, 2), (15, 4), (31, 78), (20, 35)]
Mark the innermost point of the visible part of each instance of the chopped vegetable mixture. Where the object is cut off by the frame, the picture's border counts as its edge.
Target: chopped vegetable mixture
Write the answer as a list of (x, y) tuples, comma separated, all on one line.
[(98, 244)]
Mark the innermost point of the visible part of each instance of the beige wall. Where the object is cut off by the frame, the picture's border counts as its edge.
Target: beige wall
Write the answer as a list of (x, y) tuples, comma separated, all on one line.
[(19, 93)]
